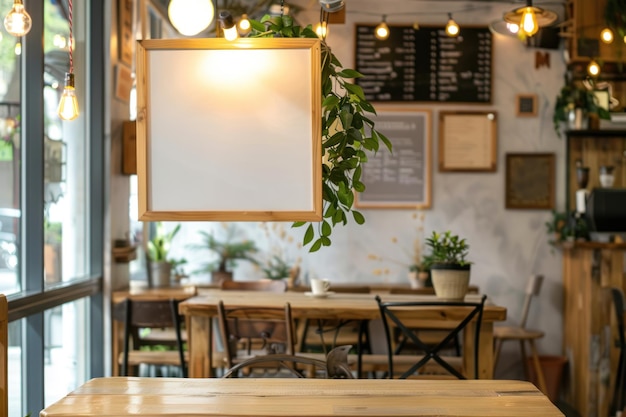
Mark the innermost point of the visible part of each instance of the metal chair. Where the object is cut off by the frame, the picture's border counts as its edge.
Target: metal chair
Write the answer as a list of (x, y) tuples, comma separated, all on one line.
[(523, 335), (137, 315), (619, 304), (391, 313)]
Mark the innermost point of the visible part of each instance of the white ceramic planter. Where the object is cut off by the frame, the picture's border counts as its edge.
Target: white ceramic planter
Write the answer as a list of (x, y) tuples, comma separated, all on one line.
[(161, 274), (450, 284)]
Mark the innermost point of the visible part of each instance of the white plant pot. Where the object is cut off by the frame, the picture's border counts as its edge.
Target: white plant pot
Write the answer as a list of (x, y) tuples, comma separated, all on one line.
[(450, 284)]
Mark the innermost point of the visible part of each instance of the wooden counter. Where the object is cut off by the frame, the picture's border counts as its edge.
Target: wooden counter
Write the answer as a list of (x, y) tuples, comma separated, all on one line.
[(589, 269), (160, 397)]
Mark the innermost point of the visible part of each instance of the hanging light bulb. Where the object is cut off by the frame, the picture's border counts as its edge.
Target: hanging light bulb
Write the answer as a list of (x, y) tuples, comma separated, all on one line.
[(191, 17), (528, 24), (593, 68), (382, 30), (228, 26), (244, 24), (68, 105), (606, 35), (17, 22), (452, 28), (321, 29)]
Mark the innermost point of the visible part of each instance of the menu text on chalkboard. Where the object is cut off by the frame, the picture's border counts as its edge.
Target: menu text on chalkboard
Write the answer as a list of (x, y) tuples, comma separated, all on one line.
[(425, 64)]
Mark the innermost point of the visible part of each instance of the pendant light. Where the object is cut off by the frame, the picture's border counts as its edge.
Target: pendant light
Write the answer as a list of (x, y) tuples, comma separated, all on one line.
[(452, 28), (244, 24), (606, 35), (593, 68), (18, 22), (382, 30), (68, 106), (530, 18), (191, 17)]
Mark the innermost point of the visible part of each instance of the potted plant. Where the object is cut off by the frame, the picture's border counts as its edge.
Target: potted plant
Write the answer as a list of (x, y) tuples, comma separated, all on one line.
[(227, 251), (574, 105), (450, 271), (158, 250)]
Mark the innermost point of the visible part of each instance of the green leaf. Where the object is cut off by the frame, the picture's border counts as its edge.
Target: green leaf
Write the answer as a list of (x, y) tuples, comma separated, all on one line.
[(355, 89), (349, 73), (316, 246), (330, 101), (346, 119), (326, 229), (298, 224), (335, 139), (386, 141), (367, 106), (308, 235), (358, 186), (256, 25), (325, 240), (358, 217)]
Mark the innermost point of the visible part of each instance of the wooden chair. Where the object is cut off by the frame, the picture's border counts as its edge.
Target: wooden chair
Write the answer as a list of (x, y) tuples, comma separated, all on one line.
[(311, 333), (335, 366), (250, 332), (619, 306), (155, 314), (4, 352), (389, 313), (269, 285), (523, 335)]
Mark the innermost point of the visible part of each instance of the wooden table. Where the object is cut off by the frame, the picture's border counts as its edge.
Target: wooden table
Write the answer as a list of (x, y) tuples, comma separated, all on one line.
[(160, 397), (201, 310), (143, 293)]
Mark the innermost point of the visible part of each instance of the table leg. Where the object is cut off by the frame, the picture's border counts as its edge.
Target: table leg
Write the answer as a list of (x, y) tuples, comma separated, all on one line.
[(200, 343), (117, 346), (485, 350)]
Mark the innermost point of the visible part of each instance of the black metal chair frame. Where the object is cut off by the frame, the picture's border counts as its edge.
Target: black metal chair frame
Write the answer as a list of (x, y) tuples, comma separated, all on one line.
[(131, 324), (430, 352), (619, 302)]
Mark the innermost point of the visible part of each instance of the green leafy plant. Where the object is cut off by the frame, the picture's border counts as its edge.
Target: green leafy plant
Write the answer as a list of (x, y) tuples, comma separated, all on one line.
[(573, 97), (347, 133), (228, 251), (276, 268), (159, 245), (447, 248)]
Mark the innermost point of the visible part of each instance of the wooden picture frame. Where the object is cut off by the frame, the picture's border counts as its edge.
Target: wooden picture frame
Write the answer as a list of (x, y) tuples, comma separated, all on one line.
[(226, 141), (400, 179), (530, 181), (126, 37), (467, 141), (526, 105)]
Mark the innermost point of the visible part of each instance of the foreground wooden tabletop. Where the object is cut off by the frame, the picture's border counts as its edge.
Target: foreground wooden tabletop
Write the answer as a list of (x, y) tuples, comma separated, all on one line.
[(157, 397)]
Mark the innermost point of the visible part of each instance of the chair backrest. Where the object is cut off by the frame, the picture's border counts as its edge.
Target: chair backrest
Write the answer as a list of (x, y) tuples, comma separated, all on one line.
[(269, 285), (272, 327), (619, 306), (335, 366), (148, 314), (533, 286), (4, 350), (392, 311)]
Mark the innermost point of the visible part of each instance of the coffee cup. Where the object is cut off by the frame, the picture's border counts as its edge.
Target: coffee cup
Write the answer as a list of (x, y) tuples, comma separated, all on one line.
[(320, 286)]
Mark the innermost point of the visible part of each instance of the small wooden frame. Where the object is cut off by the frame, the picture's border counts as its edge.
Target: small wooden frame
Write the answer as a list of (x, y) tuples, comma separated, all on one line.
[(400, 179), (467, 141), (526, 105), (529, 181), (227, 132), (125, 31)]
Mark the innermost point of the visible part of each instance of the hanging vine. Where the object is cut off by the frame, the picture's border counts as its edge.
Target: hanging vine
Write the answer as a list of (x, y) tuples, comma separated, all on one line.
[(347, 134)]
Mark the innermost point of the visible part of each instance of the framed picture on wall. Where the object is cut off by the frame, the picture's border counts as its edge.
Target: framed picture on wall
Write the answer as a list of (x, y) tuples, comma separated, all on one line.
[(467, 141), (529, 181), (526, 105)]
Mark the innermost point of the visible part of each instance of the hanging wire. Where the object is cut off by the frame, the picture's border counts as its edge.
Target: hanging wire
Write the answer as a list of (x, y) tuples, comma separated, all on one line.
[(71, 36), (282, 8)]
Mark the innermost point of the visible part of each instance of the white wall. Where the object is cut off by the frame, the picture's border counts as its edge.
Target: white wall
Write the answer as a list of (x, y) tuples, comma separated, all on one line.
[(506, 246)]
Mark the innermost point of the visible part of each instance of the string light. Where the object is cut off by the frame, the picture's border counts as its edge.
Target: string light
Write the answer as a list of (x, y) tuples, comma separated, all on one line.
[(244, 24), (452, 28), (606, 35), (18, 22), (228, 26), (68, 106), (529, 25), (382, 30), (530, 18), (321, 29), (593, 68)]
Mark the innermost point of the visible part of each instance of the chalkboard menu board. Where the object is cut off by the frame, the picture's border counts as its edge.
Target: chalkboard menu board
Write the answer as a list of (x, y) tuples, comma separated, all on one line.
[(400, 179), (425, 64)]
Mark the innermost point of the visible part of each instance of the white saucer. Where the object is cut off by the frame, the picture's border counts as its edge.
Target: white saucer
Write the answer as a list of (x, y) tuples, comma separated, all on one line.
[(320, 295)]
